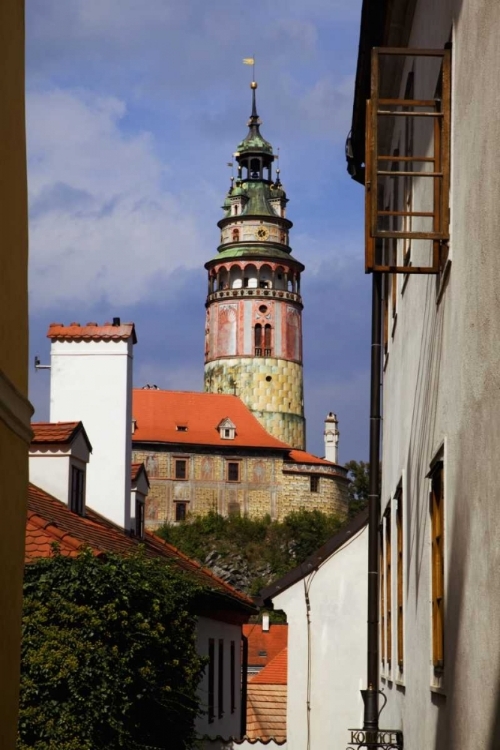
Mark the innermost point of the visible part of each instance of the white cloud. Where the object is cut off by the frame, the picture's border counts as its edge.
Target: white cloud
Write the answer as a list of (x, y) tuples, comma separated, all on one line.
[(103, 227)]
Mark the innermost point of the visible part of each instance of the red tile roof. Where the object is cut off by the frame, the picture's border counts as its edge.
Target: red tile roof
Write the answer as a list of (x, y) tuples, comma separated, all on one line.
[(302, 457), (57, 432), (266, 713), (266, 701), (275, 673), (50, 520), (158, 414), (264, 645), (92, 331)]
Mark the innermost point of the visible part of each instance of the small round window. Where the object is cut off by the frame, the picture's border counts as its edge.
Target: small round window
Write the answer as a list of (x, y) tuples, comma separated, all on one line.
[(268, 378), (263, 309)]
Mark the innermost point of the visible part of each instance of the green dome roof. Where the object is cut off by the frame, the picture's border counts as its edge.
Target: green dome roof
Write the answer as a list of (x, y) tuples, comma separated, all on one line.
[(254, 142)]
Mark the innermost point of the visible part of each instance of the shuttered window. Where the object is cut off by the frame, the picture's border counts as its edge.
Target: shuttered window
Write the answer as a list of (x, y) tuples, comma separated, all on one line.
[(388, 586), (420, 214), (400, 577), (437, 561)]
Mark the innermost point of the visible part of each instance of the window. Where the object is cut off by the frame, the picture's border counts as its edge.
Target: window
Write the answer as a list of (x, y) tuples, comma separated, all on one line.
[(425, 122), (181, 468), (258, 340), (77, 499), (180, 511), (267, 340), (399, 574), (139, 517), (236, 235), (233, 471), (220, 679), (314, 483), (388, 587), (382, 598), (211, 680), (437, 562), (181, 428), (233, 677)]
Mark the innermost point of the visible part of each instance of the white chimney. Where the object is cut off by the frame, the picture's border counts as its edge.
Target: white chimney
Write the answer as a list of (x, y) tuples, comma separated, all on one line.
[(332, 438), (91, 381)]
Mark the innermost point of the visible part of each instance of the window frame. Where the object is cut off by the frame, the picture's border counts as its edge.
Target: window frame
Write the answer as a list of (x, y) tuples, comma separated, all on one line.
[(139, 517), (437, 532), (388, 585), (178, 505), (177, 462), (400, 613), (77, 490), (228, 471), (211, 681), (314, 483), (220, 679)]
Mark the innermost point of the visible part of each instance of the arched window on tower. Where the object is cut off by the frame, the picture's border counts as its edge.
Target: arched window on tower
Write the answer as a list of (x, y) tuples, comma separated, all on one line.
[(236, 235), (255, 169), (267, 340), (258, 340)]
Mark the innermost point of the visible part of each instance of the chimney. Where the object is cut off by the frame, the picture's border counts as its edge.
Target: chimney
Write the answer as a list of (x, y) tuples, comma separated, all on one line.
[(91, 381), (331, 435)]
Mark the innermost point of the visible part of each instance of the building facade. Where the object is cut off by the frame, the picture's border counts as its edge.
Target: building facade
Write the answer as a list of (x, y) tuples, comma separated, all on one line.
[(253, 330), (15, 409), (207, 452), (440, 539), (325, 602)]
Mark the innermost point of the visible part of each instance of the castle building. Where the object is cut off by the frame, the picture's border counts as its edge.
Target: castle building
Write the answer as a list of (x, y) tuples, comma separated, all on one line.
[(207, 452), (253, 332)]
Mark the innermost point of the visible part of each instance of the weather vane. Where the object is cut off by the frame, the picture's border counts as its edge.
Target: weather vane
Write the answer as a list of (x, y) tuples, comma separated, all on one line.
[(250, 61)]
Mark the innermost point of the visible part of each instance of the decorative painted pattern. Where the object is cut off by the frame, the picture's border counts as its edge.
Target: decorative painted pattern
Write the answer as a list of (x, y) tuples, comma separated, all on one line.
[(271, 388)]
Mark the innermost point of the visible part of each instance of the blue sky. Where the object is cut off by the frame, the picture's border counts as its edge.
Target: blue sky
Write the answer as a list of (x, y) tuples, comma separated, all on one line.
[(133, 110)]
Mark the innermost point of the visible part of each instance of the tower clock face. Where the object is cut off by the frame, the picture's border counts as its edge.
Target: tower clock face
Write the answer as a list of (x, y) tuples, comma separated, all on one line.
[(263, 233)]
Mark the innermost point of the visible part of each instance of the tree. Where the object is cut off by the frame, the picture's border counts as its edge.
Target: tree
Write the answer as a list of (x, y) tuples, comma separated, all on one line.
[(358, 472), (108, 654)]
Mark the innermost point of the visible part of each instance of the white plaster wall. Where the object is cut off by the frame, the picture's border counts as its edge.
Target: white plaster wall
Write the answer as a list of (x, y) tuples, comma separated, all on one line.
[(49, 470), (92, 381), (230, 724), (338, 596), (442, 386), (242, 745)]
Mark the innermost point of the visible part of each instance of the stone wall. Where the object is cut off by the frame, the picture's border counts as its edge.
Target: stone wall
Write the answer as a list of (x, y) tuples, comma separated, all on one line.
[(266, 486)]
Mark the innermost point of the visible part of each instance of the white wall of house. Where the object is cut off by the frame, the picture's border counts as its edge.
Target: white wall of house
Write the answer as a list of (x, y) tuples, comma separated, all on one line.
[(50, 465), (337, 667), (229, 724), (442, 388), (92, 381)]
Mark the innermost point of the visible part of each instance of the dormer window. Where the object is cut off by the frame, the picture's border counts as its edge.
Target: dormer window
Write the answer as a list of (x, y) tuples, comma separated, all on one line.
[(227, 429)]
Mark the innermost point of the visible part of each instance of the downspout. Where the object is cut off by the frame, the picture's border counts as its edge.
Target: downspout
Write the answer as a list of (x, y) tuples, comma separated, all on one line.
[(371, 694), (244, 681)]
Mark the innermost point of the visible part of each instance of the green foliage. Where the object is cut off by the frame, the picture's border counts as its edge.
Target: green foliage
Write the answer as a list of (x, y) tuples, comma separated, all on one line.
[(266, 549), (359, 473), (108, 655)]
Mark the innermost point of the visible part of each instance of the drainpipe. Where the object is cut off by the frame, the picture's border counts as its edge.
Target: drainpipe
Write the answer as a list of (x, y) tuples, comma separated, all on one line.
[(371, 694), (244, 681)]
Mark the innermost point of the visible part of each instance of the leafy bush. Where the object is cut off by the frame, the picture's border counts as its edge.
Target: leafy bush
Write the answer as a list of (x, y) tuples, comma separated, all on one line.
[(268, 549), (108, 655)]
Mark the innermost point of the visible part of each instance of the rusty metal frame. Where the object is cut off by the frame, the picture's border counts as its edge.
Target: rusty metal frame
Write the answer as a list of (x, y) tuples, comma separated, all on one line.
[(440, 161)]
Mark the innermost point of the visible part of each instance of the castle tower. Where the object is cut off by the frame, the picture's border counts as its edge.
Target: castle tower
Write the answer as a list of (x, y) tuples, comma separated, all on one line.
[(253, 332)]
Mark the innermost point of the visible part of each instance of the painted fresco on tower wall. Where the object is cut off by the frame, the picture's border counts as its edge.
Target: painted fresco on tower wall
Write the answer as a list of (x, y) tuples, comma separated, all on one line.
[(227, 331), (292, 336)]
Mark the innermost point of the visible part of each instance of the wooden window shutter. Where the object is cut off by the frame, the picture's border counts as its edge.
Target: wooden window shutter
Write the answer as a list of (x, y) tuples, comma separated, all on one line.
[(437, 562), (388, 585), (416, 221), (400, 579)]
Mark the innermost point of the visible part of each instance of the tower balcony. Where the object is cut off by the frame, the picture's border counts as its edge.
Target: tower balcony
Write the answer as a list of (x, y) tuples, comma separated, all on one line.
[(255, 293)]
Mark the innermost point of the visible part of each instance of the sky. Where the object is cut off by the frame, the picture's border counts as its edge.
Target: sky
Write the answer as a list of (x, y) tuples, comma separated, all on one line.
[(134, 109)]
